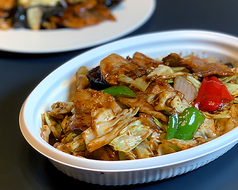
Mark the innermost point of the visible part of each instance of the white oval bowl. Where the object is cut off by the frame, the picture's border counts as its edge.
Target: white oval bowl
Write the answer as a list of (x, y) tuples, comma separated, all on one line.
[(58, 85)]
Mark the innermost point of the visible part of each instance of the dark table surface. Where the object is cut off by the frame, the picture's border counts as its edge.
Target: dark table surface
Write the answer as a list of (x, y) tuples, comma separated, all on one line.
[(21, 167)]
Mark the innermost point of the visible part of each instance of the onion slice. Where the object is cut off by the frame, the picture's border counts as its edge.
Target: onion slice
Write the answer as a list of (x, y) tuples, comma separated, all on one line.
[(187, 89)]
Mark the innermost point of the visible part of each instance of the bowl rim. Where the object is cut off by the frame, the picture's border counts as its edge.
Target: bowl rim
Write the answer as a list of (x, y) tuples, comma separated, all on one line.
[(141, 164)]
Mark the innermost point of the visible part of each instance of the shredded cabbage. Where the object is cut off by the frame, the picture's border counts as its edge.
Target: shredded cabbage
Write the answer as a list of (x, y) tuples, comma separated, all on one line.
[(131, 136)]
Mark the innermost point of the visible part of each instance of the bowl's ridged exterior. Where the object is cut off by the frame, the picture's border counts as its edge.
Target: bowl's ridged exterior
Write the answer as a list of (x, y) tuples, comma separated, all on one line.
[(138, 176)]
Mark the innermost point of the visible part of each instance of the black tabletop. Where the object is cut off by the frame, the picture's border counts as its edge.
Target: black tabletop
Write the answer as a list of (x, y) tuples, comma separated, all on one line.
[(21, 167)]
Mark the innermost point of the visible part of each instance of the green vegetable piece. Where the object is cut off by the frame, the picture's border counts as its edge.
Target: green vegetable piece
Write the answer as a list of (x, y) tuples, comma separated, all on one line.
[(189, 121), (70, 137), (122, 155), (160, 125), (120, 91), (172, 126), (157, 122)]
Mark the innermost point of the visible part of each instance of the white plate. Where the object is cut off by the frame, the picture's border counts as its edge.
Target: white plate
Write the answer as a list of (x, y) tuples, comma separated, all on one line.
[(130, 15), (57, 85)]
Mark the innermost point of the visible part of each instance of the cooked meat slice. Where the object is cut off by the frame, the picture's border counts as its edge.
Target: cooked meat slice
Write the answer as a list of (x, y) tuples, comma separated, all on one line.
[(144, 107), (82, 121), (3, 14), (104, 13), (174, 60), (158, 86), (77, 16), (138, 72), (144, 61), (207, 69), (85, 5), (86, 100), (7, 4), (200, 67), (138, 66), (104, 153), (113, 65)]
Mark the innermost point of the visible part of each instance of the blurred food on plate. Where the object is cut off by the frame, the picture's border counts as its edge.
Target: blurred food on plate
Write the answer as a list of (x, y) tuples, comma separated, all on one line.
[(53, 14)]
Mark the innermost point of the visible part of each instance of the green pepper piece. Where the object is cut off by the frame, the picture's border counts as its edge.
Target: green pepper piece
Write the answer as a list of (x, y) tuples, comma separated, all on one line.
[(172, 126), (120, 91), (189, 121)]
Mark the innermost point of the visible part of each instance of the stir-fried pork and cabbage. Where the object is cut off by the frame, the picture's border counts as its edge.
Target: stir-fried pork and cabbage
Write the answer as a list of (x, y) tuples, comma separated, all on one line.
[(53, 14), (138, 107)]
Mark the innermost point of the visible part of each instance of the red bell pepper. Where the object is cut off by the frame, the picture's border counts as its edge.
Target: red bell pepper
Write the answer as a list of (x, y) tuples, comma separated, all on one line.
[(212, 94)]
